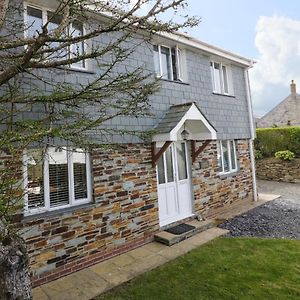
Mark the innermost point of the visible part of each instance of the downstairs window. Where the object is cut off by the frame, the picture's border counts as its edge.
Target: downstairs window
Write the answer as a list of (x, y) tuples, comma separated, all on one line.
[(56, 178), (227, 158)]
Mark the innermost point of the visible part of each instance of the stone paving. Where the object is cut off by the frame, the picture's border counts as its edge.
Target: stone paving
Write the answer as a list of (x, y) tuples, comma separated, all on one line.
[(101, 277)]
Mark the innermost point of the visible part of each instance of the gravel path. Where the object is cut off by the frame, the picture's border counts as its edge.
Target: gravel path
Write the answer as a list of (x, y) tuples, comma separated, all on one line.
[(276, 219)]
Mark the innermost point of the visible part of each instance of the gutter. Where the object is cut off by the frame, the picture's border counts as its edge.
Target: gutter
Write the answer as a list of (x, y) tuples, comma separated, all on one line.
[(252, 134)]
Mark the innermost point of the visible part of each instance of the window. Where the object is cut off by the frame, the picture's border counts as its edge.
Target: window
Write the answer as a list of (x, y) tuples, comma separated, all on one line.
[(227, 160), (221, 78), (57, 178), (168, 62), (36, 18)]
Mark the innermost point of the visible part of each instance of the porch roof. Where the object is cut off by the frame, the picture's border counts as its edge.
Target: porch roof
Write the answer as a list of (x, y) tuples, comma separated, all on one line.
[(186, 117)]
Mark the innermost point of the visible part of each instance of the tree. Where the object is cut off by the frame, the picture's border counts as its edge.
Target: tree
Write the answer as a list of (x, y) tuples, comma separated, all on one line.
[(39, 103)]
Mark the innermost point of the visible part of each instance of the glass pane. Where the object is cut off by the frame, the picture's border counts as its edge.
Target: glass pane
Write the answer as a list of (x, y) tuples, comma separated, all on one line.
[(174, 63), (156, 60), (225, 156), (54, 21), (179, 64), (78, 48), (165, 63), (35, 171), (217, 78), (80, 175), (219, 157), (181, 161), (34, 21), (225, 81), (232, 153), (58, 177), (169, 165), (161, 169)]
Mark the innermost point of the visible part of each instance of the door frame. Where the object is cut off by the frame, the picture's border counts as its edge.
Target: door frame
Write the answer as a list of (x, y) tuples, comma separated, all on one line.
[(177, 182)]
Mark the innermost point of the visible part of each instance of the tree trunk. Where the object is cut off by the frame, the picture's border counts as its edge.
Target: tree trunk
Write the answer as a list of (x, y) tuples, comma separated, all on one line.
[(14, 270)]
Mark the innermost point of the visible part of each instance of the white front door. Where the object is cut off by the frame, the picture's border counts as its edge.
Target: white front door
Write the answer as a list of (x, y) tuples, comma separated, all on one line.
[(174, 184)]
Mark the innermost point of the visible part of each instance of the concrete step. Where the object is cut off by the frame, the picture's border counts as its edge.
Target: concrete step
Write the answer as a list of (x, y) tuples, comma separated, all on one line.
[(171, 239)]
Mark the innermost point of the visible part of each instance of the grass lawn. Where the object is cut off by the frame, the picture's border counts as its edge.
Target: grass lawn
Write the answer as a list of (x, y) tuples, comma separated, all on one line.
[(226, 268)]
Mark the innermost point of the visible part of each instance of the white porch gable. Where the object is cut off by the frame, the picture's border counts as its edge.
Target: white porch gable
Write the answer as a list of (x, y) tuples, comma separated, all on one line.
[(186, 117)]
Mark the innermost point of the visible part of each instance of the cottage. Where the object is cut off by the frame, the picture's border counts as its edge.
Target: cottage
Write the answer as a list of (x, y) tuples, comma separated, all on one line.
[(286, 113), (83, 207)]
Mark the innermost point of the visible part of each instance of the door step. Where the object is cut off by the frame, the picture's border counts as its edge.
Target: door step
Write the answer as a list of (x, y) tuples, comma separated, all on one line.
[(170, 239)]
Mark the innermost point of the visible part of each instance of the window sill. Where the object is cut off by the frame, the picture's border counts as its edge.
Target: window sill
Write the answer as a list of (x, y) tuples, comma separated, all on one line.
[(228, 174), (225, 95), (175, 81), (56, 213), (78, 70)]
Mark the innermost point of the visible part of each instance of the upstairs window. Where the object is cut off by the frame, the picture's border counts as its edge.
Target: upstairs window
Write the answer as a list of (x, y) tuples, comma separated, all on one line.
[(36, 18), (227, 158), (221, 79), (168, 62), (56, 179)]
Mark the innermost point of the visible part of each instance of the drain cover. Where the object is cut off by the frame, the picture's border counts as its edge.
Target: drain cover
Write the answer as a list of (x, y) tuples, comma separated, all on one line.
[(179, 229)]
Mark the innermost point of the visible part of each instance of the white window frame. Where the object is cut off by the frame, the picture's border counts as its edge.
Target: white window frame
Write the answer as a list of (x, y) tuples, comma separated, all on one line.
[(72, 201), (221, 78), (179, 62), (221, 154), (44, 11)]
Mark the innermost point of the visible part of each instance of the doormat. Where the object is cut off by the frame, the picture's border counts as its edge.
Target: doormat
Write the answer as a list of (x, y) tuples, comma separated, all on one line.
[(180, 229)]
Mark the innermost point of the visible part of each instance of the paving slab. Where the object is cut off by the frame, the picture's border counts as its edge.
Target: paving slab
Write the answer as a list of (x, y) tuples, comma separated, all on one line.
[(93, 281), (39, 294)]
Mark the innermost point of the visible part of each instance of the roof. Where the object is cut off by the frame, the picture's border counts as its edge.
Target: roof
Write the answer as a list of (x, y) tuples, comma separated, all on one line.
[(184, 117), (287, 112), (172, 117), (188, 40)]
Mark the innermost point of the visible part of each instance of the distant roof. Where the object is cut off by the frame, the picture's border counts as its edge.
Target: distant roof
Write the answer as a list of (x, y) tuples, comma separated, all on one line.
[(287, 112)]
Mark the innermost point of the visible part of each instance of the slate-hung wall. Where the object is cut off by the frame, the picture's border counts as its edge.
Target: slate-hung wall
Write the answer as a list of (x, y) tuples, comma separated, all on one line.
[(228, 114)]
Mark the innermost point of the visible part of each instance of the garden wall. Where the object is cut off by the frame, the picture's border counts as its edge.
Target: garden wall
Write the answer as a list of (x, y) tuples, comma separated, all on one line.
[(278, 170)]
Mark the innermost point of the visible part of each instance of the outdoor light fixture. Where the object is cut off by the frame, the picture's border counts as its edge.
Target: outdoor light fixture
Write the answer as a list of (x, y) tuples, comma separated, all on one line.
[(184, 133)]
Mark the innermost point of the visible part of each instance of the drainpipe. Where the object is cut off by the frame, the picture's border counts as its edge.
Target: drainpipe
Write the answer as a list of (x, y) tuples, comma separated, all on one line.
[(252, 133)]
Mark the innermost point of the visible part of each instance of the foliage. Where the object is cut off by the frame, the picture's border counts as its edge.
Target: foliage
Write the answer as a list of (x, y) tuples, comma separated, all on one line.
[(217, 271), (285, 155), (44, 102), (258, 154), (271, 140)]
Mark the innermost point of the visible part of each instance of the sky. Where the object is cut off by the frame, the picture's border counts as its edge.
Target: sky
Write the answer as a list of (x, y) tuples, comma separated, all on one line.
[(267, 31)]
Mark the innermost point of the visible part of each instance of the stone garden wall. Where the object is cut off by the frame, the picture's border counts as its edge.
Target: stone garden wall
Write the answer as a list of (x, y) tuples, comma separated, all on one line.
[(278, 170)]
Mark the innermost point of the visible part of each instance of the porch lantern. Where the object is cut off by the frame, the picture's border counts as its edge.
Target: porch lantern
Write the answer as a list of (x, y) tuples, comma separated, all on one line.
[(185, 134)]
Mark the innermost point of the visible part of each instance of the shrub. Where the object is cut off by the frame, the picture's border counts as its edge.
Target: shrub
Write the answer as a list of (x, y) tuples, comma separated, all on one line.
[(271, 140), (285, 155), (258, 154)]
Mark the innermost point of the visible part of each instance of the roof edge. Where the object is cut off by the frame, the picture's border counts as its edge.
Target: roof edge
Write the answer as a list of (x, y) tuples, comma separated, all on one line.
[(195, 43)]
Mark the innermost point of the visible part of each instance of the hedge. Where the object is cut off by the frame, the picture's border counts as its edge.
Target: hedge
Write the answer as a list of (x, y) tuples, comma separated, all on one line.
[(271, 140)]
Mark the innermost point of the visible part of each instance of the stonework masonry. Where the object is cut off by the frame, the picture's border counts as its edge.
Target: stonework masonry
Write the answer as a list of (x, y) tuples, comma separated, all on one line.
[(124, 214), (278, 170), (213, 193)]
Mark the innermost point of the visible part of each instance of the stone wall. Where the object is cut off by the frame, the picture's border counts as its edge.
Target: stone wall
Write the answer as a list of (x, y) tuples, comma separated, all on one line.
[(214, 193), (124, 215), (124, 212), (278, 170)]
